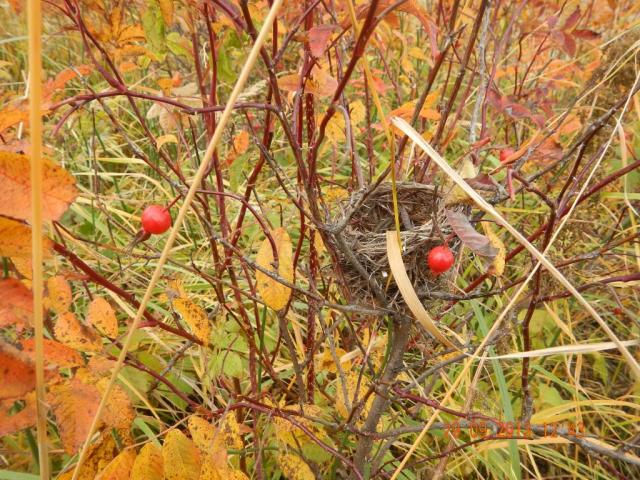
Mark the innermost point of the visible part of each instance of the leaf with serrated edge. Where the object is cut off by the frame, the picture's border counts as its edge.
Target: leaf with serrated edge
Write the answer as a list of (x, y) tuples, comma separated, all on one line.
[(74, 334)]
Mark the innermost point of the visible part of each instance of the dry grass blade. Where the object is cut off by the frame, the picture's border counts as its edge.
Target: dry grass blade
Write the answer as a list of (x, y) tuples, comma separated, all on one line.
[(565, 350), (34, 11), (195, 184), (409, 294), (482, 203)]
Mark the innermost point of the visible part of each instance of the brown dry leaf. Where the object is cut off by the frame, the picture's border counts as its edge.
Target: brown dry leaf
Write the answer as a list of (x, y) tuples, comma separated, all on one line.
[(59, 294), (496, 267), (16, 307), (149, 464), (58, 188), (17, 373), (181, 457), (274, 294), (294, 468), (55, 353), (74, 404), (119, 468), (17, 421), (101, 316), (194, 316), (71, 332), (471, 238), (15, 240)]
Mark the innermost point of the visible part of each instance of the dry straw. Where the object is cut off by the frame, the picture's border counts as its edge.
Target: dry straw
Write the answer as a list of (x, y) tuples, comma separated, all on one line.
[(34, 21), (195, 184)]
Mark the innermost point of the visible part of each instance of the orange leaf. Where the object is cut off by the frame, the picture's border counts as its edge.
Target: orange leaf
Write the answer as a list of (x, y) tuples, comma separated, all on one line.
[(17, 373), (12, 116), (17, 304), (74, 404), (15, 239), (58, 189), (71, 332), (17, 421), (102, 317), (241, 142), (54, 353)]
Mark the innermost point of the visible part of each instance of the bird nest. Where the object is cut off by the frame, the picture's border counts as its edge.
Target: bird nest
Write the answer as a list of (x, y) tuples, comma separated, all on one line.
[(362, 253)]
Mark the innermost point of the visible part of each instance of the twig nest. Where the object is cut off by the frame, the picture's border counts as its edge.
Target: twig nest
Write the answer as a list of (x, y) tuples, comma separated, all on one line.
[(370, 215)]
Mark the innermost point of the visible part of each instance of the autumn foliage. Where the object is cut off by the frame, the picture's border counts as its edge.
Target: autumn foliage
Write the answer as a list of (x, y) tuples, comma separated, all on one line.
[(303, 326)]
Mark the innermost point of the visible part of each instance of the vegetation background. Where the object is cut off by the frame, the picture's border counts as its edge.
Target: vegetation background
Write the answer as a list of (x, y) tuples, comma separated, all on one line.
[(276, 343)]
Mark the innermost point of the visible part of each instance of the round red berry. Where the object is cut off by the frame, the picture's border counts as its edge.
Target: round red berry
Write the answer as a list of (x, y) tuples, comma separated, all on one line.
[(440, 259), (506, 153), (156, 219)]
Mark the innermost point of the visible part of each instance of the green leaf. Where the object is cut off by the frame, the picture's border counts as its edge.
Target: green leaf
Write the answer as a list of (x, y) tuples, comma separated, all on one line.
[(154, 28)]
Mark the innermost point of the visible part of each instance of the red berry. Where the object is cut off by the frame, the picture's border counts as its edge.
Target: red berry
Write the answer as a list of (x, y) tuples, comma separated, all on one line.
[(440, 259), (156, 219), (506, 153)]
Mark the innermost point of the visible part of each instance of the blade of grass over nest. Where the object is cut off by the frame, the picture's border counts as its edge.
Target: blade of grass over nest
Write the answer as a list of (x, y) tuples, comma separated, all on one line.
[(34, 19), (173, 233), (409, 294), (482, 203)]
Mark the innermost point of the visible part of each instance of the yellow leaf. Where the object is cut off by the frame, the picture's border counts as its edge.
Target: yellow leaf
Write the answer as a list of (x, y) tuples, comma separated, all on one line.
[(149, 464), (119, 412), (98, 457), (164, 139), (335, 129), (498, 263), (15, 240), (119, 468), (275, 294), (457, 195), (294, 436), (358, 112), (194, 316), (230, 432), (59, 294), (354, 383), (74, 404), (71, 332), (181, 457), (101, 316), (58, 188), (294, 468), (326, 362)]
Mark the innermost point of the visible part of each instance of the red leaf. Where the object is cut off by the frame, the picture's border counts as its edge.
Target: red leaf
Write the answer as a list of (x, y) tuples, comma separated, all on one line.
[(319, 38), (585, 34), (572, 20), (477, 242)]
